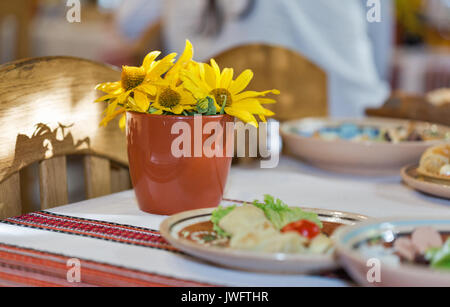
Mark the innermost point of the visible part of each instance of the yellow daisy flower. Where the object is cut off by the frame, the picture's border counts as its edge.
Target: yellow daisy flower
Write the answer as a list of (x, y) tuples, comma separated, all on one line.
[(171, 95), (134, 89), (173, 99), (207, 80)]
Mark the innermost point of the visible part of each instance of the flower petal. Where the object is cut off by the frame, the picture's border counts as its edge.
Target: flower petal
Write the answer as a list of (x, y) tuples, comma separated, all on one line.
[(148, 89), (106, 97), (252, 106), (183, 61), (253, 94), (216, 69), (245, 116), (266, 100), (158, 68), (142, 101), (119, 101), (241, 82), (226, 78), (149, 59), (114, 88), (110, 117), (178, 109), (187, 98), (123, 122), (198, 88), (209, 76)]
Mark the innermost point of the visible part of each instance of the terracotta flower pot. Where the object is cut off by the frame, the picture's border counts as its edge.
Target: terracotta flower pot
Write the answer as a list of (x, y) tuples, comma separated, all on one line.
[(164, 183)]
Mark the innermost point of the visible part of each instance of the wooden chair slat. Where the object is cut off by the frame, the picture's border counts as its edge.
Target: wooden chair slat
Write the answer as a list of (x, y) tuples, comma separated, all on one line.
[(302, 83), (97, 172), (49, 106), (120, 179), (53, 182), (10, 199), (49, 110)]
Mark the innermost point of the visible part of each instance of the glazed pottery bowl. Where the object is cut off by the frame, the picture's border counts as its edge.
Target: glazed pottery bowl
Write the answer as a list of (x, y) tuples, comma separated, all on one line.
[(428, 185), (359, 158), (198, 222), (359, 265), (166, 183)]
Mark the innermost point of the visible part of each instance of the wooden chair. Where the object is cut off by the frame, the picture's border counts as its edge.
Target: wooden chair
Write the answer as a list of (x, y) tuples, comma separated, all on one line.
[(303, 84), (412, 106), (47, 112), (22, 11)]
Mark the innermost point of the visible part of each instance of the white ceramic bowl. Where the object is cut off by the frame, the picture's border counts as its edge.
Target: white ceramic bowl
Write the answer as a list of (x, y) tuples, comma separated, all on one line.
[(361, 158), (356, 264)]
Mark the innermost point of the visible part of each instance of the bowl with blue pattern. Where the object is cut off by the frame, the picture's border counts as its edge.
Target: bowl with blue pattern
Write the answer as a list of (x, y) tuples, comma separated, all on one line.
[(397, 252), (365, 146)]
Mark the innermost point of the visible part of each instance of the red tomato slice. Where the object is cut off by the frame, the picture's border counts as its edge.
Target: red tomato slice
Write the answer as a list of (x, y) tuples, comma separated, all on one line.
[(305, 228)]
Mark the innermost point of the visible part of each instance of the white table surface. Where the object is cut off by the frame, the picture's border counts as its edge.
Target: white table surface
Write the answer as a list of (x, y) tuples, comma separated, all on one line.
[(294, 182), (301, 185)]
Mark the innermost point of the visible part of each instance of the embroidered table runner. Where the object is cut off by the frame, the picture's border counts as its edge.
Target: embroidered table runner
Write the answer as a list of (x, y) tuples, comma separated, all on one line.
[(116, 245)]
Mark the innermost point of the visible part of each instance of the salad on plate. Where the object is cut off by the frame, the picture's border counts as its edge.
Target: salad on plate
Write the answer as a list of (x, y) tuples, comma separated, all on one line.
[(270, 226)]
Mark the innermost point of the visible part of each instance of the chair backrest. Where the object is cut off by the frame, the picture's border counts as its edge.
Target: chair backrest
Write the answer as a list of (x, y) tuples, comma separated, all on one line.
[(47, 112), (303, 84), (21, 12)]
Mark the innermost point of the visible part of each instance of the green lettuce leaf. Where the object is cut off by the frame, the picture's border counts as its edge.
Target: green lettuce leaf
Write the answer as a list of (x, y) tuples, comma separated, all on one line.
[(277, 212), (280, 214), (217, 215), (440, 258)]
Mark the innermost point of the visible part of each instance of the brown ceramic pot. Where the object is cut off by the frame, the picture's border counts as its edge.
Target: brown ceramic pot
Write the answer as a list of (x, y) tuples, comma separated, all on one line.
[(165, 184)]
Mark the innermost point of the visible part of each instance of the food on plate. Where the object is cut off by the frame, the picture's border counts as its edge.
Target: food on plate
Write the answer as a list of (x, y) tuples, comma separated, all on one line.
[(425, 247), (435, 162), (439, 97), (354, 132), (271, 227)]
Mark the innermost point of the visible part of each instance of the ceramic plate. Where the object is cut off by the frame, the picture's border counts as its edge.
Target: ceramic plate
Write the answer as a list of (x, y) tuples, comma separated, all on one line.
[(361, 158), (197, 223), (355, 263), (432, 186)]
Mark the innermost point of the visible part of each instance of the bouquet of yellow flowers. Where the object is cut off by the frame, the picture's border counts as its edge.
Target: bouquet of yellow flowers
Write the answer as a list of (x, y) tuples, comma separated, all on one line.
[(184, 87)]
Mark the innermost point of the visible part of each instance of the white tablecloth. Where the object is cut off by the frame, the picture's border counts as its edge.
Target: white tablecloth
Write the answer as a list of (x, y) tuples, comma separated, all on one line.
[(292, 181), (302, 185)]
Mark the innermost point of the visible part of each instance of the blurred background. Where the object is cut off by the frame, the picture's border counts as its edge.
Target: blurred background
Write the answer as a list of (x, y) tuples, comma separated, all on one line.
[(417, 33), (343, 58)]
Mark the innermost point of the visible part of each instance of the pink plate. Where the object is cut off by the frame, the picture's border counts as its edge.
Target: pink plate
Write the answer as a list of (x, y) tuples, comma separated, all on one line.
[(432, 186)]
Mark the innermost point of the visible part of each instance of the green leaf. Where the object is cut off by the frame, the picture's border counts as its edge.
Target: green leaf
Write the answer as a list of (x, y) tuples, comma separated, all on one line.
[(222, 110), (203, 106), (440, 258), (281, 214), (152, 110), (211, 107), (277, 212), (217, 216)]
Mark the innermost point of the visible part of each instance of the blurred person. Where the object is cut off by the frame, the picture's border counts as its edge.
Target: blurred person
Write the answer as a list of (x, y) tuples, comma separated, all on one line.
[(337, 37), (134, 17)]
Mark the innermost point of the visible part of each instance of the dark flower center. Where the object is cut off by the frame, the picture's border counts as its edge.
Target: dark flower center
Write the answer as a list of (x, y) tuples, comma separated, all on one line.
[(132, 77), (169, 98), (220, 95)]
